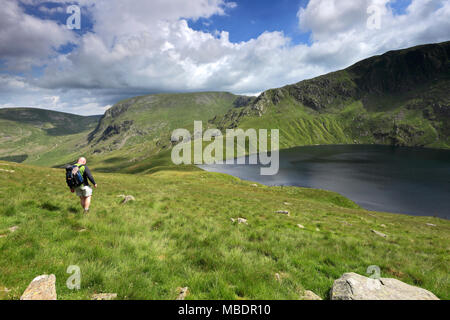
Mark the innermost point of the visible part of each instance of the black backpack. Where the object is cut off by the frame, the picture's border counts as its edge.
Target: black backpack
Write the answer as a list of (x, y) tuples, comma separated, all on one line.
[(74, 178)]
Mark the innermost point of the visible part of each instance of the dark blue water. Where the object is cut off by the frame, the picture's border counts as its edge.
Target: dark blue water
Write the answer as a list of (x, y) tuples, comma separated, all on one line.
[(412, 181)]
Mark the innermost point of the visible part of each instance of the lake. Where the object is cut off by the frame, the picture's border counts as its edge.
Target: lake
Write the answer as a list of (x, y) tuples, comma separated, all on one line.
[(412, 181)]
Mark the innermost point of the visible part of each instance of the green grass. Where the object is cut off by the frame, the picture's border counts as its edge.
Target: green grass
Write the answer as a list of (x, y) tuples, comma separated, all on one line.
[(178, 233), (41, 136)]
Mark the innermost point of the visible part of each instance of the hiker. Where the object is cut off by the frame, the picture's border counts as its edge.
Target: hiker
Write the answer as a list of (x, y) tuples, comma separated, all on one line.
[(84, 191)]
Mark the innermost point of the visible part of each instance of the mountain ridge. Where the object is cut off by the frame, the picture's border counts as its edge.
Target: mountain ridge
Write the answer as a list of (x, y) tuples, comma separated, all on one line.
[(384, 83), (399, 98)]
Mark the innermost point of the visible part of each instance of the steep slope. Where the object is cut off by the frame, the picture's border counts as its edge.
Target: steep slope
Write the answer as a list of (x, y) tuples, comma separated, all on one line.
[(27, 133), (399, 98)]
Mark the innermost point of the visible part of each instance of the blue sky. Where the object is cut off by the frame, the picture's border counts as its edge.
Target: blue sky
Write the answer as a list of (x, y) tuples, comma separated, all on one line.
[(149, 47), (250, 18)]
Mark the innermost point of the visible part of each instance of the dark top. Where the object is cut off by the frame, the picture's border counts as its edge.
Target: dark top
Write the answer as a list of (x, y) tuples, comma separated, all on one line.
[(87, 175)]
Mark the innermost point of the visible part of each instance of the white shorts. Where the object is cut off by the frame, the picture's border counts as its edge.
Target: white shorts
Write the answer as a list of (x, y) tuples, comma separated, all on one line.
[(83, 191)]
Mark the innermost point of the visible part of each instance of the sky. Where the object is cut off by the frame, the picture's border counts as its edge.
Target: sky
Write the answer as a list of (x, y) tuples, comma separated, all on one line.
[(137, 47)]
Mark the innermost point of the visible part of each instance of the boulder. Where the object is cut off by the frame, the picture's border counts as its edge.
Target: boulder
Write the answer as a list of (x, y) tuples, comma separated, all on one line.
[(352, 286), (41, 288)]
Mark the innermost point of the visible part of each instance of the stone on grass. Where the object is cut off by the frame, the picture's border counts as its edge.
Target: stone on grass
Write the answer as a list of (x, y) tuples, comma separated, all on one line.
[(431, 225), (287, 203), (254, 185), (242, 220), (378, 233), (13, 229), (41, 288), (182, 293), (383, 226), (309, 295), (352, 286), (6, 170), (239, 220), (128, 199), (104, 296), (300, 226)]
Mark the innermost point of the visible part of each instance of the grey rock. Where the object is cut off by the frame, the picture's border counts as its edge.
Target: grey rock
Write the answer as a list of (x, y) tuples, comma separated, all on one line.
[(13, 229), (379, 233), (128, 199), (242, 220), (309, 295), (352, 286), (104, 296), (41, 288), (182, 293)]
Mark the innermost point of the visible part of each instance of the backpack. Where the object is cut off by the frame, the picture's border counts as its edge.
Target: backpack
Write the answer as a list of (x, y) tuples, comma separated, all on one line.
[(74, 176)]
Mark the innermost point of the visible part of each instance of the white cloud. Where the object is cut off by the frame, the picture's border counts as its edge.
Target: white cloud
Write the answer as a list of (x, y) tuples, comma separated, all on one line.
[(149, 47), (26, 40)]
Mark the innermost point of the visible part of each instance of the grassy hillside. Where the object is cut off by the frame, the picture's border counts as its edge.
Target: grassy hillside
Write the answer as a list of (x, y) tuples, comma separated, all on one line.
[(140, 128), (400, 98), (178, 233), (26, 134)]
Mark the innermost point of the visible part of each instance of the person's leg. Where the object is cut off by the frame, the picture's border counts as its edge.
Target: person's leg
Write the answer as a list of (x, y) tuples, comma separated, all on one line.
[(82, 201), (87, 203)]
